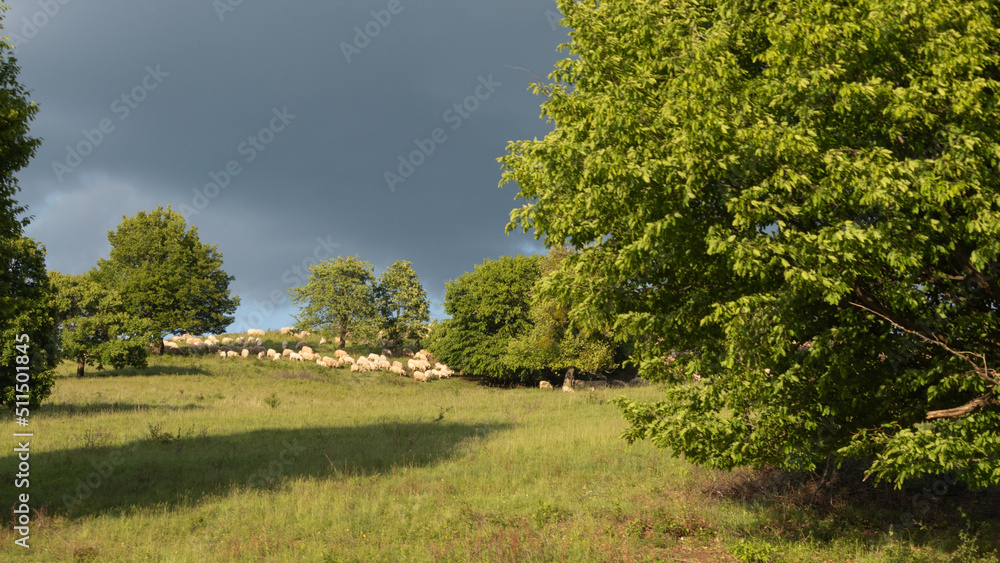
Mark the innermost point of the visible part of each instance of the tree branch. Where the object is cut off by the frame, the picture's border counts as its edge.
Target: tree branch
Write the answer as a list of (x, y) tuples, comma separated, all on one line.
[(977, 403)]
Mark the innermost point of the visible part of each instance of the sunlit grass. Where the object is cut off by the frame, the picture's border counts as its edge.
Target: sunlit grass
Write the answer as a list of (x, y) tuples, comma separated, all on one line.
[(199, 458)]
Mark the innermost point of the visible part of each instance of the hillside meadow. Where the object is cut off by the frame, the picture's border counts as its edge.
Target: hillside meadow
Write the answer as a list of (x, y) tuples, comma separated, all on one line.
[(205, 459)]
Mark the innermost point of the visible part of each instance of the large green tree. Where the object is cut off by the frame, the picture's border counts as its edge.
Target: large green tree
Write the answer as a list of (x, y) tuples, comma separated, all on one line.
[(163, 272), (488, 306), (338, 296), (402, 302), (94, 326), (27, 323), (803, 200)]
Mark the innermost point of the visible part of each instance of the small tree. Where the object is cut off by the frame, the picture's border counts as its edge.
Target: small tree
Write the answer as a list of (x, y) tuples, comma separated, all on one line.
[(553, 343), (165, 274), (402, 303), (338, 296), (488, 307), (95, 329), (27, 326)]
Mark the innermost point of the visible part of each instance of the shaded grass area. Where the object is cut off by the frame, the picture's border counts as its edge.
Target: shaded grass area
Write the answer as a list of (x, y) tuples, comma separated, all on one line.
[(199, 458)]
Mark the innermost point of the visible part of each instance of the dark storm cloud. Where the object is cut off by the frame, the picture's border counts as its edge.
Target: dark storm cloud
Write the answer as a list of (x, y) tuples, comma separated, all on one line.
[(287, 132)]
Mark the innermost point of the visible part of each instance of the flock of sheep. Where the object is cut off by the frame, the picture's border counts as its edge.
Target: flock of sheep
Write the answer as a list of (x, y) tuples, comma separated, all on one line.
[(418, 366)]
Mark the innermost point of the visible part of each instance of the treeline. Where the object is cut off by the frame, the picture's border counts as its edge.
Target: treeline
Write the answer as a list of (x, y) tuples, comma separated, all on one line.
[(508, 326)]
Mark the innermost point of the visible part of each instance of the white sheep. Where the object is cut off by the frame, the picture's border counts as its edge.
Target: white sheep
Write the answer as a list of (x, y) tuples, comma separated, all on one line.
[(255, 332), (231, 354), (245, 353), (271, 352), (339, 353), (286, 352), (227, 341), (322, 341)]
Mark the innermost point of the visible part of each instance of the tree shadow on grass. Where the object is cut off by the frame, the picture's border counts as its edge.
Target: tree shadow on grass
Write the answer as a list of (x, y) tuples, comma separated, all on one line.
[(174, 470), (935, 510), (148, 370), (70, 409)]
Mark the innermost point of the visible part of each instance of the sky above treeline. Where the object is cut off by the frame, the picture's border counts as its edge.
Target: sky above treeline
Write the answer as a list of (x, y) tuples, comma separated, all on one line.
[(286, 132)]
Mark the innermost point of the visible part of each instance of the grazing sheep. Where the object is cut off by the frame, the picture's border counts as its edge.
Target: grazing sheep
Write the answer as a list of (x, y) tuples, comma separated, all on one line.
[(420, 376), (261, 356), (295, 356), (287, 329), (339, 353), (286, 352), (255, 332), (398, 370), (256, 349), (231, 354), (348, 359), (322, 341), (271, 352), (397, 363), (284, 345), (308, 356), (300, 344), (386, 352), (544, 385), (222, 353), (306, 349), (407, 352), (245, 353), (276, 357), (226, 341), (239, 341)]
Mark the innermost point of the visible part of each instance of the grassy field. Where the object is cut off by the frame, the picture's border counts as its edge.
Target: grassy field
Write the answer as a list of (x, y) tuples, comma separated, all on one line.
[(204, 459)]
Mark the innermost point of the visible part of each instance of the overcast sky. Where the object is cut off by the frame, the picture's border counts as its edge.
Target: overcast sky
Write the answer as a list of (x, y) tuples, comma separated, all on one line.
[(272, 127)]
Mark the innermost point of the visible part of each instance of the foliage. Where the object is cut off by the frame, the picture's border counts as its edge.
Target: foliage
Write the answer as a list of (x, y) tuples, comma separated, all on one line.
[(95, 327), (339, 294), (25, 293), (402, 303), (163, 272), (488, 306), (800, 199), (553, 344)]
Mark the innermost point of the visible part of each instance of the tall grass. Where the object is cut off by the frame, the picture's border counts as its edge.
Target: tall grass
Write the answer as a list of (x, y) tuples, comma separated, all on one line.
[(204, 459)]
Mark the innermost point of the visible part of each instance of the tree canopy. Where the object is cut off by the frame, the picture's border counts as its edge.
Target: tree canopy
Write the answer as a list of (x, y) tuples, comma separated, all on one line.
[(163, 272), (799, 202), (25, 291), (95, 328), (488, 306), (339, 295), (402, 302), (552, 344)]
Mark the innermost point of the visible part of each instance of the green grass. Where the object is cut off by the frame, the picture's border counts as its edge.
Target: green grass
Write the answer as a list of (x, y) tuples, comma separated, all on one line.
[(204, 459)]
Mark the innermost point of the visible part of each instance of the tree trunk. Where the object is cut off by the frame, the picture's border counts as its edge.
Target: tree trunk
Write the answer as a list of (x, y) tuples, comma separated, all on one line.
[(79, 366), (568, 382), (158, 346), (343, 338)]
